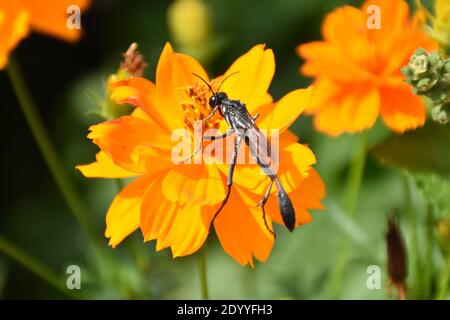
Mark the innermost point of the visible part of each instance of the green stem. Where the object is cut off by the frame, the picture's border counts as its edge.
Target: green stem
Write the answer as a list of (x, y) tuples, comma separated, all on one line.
[(354, 178), (445, 279), (202, 273), (353, 187), (415, 254), (48, 150), (427, 278), (34, 266)]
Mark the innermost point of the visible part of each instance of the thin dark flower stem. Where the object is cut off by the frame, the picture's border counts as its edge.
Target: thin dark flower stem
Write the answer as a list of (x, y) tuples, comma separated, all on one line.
[(203, 273), (353, 186), (48, 150), (35, 266)]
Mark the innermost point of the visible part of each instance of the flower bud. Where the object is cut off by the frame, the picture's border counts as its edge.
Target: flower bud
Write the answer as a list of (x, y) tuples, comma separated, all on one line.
[(439, 115), (397, 260), (418, 64), (428, 74), (133, 65)]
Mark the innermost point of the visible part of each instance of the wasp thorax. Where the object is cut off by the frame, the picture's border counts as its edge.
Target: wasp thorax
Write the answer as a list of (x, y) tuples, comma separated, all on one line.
[(195, 104)]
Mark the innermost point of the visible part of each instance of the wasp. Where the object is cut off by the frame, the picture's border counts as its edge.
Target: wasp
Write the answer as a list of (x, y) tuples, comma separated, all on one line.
[(243, 125)]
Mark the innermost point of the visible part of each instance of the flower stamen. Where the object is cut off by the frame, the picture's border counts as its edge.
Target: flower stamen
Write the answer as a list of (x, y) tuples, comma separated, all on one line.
[(195, 105)]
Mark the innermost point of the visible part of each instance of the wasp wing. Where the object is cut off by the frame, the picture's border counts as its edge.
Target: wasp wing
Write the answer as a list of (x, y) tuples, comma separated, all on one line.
[(260, 148)]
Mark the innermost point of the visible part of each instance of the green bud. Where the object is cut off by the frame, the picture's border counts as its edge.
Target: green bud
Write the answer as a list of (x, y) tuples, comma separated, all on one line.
[(423, 83), (406, 70), (418, 64), (420, 51), (132, 65), (439, 115), (434, 58), (429, 75), (447, 66)]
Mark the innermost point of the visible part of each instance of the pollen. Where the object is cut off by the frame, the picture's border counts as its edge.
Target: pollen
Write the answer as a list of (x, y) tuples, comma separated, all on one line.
[(195, 104)]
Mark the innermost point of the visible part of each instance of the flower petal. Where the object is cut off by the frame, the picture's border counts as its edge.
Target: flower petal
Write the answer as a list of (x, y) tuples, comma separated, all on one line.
[(401, 110), (346, 28), (241, 229), (195, 184), (140, 93), (104, 167), (395, 22), (183, 228), (255, 72), (173, 74), (14, 26), (324, 92), (51, 17), (134, 144), (323, 59), (123, 215), (285, 111), (354, 110)]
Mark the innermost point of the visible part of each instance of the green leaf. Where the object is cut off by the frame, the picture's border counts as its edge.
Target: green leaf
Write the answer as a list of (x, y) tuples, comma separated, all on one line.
[(419, 151)]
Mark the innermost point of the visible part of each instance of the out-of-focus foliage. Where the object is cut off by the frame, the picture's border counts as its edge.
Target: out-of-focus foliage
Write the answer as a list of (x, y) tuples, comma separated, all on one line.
[(426, 149)]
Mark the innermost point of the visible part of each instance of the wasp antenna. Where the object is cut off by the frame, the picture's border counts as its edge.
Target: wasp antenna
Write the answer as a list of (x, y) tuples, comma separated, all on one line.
[(228, 76), (209, 86)]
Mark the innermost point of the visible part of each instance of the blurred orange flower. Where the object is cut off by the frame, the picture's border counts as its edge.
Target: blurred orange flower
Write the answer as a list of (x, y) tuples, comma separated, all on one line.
[(175, 203), (357, 69), (17, 17)]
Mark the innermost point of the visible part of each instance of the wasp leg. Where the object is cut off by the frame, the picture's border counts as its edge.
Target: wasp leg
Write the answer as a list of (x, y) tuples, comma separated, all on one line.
[(191, 156), (207, 138), (212, 113), (262, 203), (256, 116), (223, 136), (230, 174), (266, 195)]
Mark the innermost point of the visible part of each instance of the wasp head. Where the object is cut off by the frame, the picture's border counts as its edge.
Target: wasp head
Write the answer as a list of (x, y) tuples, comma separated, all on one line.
[(216, 99)]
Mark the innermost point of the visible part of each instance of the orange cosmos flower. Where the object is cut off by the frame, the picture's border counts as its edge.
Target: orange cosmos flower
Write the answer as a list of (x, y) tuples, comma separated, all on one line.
[(17, 17), (175, 203), (357, 69)]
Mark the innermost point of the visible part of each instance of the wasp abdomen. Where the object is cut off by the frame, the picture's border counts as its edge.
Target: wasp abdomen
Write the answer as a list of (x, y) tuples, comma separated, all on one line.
[(287, 210)]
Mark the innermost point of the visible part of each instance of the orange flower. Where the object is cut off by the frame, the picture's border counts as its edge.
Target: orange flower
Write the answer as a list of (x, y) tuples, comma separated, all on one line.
[(175, 203), (17, 17), (357, 69)]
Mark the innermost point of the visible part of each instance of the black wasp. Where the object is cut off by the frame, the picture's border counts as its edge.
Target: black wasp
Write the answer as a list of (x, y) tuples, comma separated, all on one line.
[(243, 125)]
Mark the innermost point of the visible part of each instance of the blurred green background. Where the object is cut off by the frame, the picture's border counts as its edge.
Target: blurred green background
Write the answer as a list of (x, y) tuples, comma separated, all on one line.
[(35, 217)]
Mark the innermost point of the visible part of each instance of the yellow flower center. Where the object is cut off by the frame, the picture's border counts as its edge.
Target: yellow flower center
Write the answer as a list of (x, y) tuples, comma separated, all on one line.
[(195, 104)]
